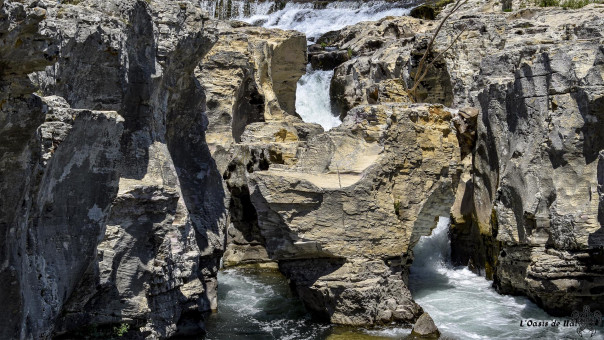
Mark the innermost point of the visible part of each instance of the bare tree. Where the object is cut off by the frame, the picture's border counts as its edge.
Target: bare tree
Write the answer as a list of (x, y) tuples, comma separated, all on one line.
[(422, 68)]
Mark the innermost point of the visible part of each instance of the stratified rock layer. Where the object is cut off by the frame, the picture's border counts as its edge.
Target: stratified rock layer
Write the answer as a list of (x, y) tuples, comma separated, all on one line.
[(343, 215)]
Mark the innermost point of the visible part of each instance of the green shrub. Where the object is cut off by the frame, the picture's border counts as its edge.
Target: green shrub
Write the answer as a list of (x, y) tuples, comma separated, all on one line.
[(397, 208), (547, 3), (574, 4), (121, 330)]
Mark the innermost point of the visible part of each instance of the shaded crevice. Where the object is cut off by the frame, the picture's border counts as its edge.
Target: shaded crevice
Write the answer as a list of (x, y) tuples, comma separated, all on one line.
[(248, 108)]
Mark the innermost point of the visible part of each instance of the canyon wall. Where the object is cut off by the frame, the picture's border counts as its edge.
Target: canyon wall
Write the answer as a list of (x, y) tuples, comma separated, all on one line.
[(104, 232)]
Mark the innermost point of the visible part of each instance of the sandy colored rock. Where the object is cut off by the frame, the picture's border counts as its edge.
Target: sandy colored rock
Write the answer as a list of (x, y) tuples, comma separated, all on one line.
[(354, 178), (424, 328)]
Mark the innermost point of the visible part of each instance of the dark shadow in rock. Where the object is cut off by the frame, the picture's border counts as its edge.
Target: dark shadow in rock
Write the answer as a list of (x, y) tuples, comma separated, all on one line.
[(200, 181), (592, 111), (248, 108), (596, 239), (436, 87), (304, 273)]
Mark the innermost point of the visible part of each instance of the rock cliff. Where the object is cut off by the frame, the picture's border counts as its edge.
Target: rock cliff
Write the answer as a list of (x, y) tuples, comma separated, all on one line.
[(116, 223), (528, 87), (534, 183)]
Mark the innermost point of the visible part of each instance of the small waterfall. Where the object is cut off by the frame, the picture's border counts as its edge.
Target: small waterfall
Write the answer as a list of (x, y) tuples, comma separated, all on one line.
[(313, 18), (464, 305), (238, 9), (312, 98)]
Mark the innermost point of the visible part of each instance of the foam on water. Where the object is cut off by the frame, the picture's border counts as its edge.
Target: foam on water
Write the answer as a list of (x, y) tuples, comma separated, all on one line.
[(464, 305), (257, 304), (337, 15)]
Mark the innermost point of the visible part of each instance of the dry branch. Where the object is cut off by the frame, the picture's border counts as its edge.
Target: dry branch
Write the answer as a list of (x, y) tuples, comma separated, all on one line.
[(422, 68)]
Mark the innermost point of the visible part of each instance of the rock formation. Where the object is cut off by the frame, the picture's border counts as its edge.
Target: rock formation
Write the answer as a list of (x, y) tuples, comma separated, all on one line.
[(424, 328), (342, 219), (141, 250), (534, 182), (538, 100)]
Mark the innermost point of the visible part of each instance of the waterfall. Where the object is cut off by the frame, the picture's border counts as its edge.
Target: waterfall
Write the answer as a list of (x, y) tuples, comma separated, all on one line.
[(310, 18), (312, 98), (464, 305), (313, 18)]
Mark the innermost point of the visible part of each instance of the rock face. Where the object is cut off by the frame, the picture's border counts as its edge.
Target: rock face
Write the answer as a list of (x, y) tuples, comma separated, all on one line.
[(250, 75), (387, 52), (46, 150), (530, 104), (390, 169), (539, 130), (122, 217)]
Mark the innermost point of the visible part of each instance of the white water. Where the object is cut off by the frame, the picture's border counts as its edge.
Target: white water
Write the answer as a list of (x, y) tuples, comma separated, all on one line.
[(312, 95), (465, 306), (312, 98), (257, 304), (337, 15), (303, 18)]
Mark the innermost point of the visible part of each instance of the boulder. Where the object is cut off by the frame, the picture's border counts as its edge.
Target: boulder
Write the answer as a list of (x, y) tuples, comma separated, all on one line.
[(424, 328)]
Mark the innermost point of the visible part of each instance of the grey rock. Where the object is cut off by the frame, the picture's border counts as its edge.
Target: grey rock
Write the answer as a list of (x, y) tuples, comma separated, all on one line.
[(424, 328)]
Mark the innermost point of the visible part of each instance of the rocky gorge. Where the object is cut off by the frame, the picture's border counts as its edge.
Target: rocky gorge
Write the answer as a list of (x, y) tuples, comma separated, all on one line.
[(147, 143)]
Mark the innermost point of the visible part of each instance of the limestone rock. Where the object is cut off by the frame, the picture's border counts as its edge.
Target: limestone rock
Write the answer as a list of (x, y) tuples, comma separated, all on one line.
[(538, 131), (328, 59), (314, 214), (250, 75), (424, 328), (113, 227), (387, 52), (535, 77)]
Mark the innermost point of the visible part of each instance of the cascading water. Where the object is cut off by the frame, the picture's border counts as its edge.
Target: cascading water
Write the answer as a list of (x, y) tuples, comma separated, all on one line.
[(465, 306), (258, 304), (312, 98), (304, 17)]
